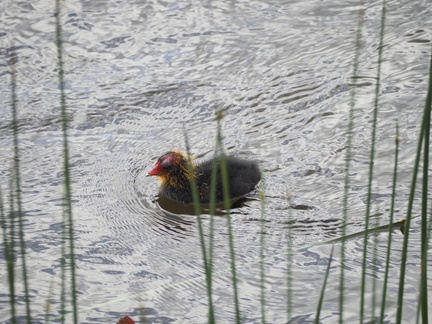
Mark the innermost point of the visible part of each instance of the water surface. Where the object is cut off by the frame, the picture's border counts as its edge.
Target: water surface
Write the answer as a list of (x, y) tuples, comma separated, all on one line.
[(140, 72)]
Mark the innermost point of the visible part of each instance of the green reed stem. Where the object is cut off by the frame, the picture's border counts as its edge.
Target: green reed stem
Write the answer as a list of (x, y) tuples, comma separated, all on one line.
[(424, 133), (429, 231), (9, 255), (407, 227), (66, 167), (374, 269), (321, 298), (212, 209), (425, 191), (143, 315), (390, 231), (63, 270), (226, 195), (425, 124), (197, 208), (48, 302), (371, 162), (348, 160), (18, 191), (262, 256)]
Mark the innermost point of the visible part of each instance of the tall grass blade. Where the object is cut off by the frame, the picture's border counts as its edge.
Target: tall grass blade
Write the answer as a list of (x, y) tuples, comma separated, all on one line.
[(9, 255), (321, 298), (424, 213), (227, 206), (374, 272), (63, 270), (348, 159), (48, 302), (66, 168), (17, 177), (425, 124), (143, 315), (197, 208), (212, 208), (390, 231), (429, 231), (212, 212), (371, 162), (396, 225)]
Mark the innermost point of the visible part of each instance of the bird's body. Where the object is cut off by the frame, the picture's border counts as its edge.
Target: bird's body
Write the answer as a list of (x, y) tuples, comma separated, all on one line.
[(172, 169)]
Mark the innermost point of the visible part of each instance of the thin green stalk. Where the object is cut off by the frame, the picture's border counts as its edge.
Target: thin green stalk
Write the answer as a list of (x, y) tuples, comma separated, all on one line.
[(429, 231), (348, 160), (321, 299), (212, 209), (262, 243), (226, 195), (66, 167), (9, 255), (390, 231), (396, 225), (374, 262), (143, 315), (424, 134), (18, 192), (409, 212), (12, 237), (63, 270), (197, 208), (424, 213), (48, 302), (371, 162)]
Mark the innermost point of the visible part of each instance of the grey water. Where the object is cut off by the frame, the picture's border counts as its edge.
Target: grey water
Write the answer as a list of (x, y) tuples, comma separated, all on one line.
[(139, 73)]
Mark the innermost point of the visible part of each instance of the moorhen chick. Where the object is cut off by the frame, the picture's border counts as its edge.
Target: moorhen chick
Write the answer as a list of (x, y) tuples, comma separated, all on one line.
[(172, 169)]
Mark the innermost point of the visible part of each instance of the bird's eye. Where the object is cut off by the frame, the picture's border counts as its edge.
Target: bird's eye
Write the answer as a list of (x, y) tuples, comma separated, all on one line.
[(167, 167)]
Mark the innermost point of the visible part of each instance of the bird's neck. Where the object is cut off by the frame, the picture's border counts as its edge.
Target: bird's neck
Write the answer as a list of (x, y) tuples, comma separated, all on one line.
[(180, 177)]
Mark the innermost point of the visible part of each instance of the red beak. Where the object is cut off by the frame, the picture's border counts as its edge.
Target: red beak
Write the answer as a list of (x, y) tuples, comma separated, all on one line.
[(157, 170)]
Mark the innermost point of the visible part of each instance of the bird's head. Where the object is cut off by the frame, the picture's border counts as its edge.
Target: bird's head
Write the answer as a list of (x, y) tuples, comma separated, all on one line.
[(171, 167)]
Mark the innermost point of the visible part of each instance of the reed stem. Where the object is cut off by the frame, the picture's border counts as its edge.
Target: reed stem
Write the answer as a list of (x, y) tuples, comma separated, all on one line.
[(197, 208), (321, 298), (390, 231), (409, 214), (17, 192), (9, 254), (227, 206), (424, 210), (371, 162), (66, 159)]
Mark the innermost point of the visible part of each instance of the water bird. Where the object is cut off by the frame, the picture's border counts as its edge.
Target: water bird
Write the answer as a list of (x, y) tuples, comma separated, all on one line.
[(172, 169)]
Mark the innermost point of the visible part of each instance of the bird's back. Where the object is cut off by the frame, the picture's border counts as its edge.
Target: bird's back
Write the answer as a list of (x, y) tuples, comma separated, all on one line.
[(243, 176)]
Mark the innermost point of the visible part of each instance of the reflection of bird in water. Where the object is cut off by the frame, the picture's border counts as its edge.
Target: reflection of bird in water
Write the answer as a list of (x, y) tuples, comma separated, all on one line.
[(172, 169)]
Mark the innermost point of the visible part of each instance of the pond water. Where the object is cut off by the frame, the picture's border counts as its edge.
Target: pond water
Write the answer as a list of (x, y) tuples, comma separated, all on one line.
[(140, 73)]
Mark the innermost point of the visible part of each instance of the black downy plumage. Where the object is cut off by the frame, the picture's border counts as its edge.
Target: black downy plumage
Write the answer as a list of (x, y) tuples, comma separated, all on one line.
[(172, 169)]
